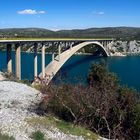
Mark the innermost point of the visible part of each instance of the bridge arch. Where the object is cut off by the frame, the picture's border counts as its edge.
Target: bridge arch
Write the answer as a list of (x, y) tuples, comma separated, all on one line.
[(54, 66)]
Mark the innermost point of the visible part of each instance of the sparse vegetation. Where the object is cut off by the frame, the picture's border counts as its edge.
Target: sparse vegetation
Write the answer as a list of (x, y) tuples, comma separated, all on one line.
[(12, 77), (120, 49), (6, 137), (51, 122), (38, 135)]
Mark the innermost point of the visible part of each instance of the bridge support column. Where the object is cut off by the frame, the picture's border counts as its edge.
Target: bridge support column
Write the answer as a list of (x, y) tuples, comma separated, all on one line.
[(102, 43), (105, 44), (35, 60), (43, 61), (107, 47), (18, 61), (9, 58), (59, 52), (70, 46), (52, 56), (108, 42)]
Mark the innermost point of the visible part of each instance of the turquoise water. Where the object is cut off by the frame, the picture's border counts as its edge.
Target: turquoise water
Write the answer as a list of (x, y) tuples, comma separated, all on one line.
[(127, 68)]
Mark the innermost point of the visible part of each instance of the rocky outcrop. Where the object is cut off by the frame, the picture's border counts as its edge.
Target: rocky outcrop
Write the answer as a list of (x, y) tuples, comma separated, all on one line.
[(123, 48)]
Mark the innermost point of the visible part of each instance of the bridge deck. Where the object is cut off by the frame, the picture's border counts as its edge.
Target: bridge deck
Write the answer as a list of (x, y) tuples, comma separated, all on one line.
[(49, 40)]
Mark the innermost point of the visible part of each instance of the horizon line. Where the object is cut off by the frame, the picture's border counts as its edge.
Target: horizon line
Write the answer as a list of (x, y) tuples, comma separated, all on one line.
[(84, 28)]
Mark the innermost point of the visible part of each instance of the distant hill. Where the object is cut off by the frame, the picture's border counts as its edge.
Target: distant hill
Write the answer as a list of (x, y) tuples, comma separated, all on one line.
[(109, 32), (26, 32), (126, 33)]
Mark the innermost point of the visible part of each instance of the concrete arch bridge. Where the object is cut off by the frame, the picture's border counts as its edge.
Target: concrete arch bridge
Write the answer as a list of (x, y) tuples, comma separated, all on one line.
[(63, 50), (55, 65)]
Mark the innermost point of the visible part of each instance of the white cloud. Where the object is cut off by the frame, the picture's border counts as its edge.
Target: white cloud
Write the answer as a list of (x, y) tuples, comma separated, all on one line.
[(41, 12), (98, 13), (30, 12)]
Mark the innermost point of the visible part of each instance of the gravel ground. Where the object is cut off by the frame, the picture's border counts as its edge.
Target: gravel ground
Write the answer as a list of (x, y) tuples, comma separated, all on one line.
[(15, 101)]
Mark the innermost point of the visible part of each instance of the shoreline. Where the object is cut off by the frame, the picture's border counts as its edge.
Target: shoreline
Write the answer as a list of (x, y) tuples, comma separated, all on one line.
[(115, 54)]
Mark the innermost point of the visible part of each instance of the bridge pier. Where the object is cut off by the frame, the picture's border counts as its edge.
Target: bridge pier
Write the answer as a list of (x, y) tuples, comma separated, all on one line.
[(53, 51), (103, 43), (9, 58), (53, 56), (35, 60), (18, 61), (59, 52), (43, 61), (70, 46)]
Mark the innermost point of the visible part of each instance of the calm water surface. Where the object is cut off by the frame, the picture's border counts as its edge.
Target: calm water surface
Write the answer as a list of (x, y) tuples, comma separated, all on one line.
[(127, 68)]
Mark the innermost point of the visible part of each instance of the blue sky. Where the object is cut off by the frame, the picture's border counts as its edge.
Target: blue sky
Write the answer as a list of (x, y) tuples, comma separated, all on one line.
[(69, 14)]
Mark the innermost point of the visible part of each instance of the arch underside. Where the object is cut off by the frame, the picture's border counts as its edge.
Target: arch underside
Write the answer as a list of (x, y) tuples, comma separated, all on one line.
[(55, 65)]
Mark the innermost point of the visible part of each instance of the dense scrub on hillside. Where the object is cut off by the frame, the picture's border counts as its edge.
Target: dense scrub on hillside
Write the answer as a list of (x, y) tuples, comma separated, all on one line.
[(120, 33), (103, 106)]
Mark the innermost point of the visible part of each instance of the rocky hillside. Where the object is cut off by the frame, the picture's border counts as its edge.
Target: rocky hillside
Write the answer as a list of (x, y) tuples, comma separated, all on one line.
[(125, 47)]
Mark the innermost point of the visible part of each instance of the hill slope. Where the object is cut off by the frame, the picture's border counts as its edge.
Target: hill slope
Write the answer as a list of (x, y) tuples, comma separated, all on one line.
[(128, 33)]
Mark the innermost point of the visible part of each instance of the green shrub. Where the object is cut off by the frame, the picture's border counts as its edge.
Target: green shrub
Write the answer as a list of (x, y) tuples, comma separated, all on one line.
[(38, 135)]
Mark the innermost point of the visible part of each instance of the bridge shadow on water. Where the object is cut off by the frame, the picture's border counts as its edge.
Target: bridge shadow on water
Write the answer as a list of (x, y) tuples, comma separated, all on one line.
[(79, 62), (73, 65)]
